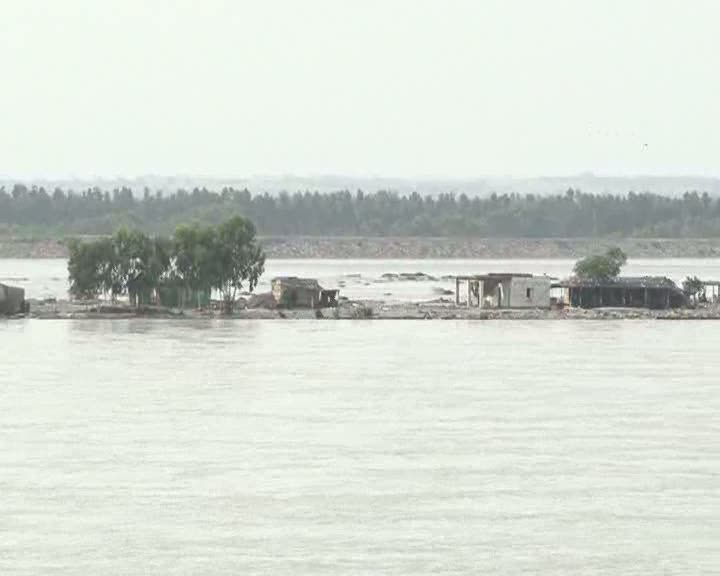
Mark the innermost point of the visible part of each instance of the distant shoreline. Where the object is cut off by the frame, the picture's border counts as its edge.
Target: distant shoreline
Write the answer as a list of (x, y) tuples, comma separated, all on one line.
[(304, 247)]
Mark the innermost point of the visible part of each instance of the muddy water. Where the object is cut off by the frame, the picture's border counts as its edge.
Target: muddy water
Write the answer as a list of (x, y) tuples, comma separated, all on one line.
[(153, 447)]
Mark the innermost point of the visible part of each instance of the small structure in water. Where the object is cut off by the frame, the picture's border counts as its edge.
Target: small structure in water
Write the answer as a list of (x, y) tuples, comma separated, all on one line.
[(12, 300), (656, 292), (294, 292), (509, 290)]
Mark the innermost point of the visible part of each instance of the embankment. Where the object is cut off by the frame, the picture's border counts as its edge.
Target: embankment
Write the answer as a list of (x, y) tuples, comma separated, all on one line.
[(423, 247), (485, 248)]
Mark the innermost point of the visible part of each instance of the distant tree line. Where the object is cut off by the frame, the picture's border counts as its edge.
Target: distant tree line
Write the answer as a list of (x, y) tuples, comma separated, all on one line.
[(572, 214), (179, 270)]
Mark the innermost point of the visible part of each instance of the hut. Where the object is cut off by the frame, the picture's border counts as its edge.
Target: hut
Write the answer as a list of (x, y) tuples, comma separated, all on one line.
[(656, 292), (294, 292), (509, 290), (12, 300)]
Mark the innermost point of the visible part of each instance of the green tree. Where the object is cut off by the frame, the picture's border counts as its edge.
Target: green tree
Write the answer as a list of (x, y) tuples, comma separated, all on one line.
[(85, 264), (694, 288), (196, 262), (240, 259), (601, 266), (185, 268), (143, 263), (126, 263)]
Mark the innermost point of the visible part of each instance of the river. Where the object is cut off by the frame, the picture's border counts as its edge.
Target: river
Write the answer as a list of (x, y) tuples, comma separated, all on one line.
[(311, 448)]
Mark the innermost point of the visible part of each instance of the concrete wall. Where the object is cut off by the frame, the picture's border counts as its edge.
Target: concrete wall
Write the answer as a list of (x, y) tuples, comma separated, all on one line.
[(531, 292), (12, 300), (506, 302)]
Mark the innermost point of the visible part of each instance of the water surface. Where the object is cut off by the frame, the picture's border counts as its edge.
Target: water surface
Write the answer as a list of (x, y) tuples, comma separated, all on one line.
[(381, 447)]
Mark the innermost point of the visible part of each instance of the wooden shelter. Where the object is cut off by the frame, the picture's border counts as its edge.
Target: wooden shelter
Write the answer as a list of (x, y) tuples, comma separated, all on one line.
[(657, 292), (294, 292)]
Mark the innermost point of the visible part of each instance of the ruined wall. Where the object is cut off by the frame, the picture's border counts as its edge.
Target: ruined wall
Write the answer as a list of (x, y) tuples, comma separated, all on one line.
[(12, 300), (529, 293), (293, 295), (303, 297)]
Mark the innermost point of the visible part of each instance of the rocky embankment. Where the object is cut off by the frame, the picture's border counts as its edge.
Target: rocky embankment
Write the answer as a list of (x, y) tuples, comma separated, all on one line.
[(362, 310), (484, 248), (21, 248), (421, 247)]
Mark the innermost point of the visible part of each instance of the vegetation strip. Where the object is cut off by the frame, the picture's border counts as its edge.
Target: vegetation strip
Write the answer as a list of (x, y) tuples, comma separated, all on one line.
[(56, 213), (172, 271)]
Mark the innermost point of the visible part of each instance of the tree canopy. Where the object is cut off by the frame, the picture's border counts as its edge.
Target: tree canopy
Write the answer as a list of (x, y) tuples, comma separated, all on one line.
[(94, 211), (185, 267), (694, 289), (601, 266)]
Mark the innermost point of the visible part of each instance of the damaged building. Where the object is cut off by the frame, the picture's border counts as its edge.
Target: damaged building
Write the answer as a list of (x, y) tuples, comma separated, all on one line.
[(509, 290), (12, 300), (294, 292)]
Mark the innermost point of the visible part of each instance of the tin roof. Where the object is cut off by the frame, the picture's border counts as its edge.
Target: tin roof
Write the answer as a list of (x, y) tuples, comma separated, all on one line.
[(295, 282), (630, 282)]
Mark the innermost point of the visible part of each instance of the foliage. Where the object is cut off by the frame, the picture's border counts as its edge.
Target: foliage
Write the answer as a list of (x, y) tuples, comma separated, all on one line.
[(601, 266), (238, 257), (195, 261), (574, 214), (694, 288), (88, 267)]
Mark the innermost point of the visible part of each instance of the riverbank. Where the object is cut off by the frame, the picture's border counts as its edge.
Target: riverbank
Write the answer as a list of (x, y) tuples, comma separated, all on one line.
[(422, 247), (361, 310)]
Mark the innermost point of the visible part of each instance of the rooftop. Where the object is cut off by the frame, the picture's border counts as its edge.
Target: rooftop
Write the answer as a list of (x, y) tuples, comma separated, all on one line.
[(295, 282), (655, 282), (497, 276)]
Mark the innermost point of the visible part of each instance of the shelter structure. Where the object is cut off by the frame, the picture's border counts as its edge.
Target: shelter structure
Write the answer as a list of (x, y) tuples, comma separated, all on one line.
[(12, 300), (505, 290), (294, 292), (711, 290), (656, 292)]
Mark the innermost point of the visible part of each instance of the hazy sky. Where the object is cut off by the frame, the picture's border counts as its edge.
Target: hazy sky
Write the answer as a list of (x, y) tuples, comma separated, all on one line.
[(387, 87)]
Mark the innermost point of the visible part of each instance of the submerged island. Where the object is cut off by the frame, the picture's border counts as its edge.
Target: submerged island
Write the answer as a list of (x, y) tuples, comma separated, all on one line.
[(594, 291), (205, 271)]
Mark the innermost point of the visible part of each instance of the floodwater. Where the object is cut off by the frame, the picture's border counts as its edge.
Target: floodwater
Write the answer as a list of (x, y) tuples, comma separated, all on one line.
[(363, 279), (370, 447)]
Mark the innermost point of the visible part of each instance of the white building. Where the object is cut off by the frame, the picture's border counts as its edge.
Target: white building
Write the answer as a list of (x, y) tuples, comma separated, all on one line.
[(503, 291)]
